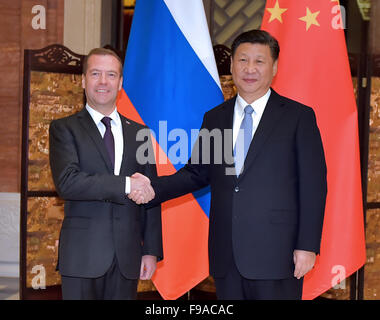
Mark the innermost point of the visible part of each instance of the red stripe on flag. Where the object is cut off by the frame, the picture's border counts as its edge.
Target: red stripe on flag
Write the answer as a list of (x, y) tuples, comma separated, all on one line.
[(180, 217), (126, 108)]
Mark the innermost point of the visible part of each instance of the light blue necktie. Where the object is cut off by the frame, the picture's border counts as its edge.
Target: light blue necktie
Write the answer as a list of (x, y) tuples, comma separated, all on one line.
[(243, 139)]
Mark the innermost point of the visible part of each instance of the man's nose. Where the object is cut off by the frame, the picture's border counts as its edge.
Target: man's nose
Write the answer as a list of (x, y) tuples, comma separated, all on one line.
[(103, 78), (251, 67)]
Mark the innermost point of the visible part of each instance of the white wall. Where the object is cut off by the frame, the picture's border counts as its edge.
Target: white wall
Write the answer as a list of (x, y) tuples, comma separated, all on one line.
[(82, 25), (9, 234)]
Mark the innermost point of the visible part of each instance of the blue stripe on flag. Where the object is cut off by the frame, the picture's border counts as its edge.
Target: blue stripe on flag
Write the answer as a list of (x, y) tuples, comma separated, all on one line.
[(164, 78)]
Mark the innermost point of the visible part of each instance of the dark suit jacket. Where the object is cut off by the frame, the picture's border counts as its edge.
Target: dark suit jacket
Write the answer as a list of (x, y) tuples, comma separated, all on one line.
[(275, 206), (100, 221)]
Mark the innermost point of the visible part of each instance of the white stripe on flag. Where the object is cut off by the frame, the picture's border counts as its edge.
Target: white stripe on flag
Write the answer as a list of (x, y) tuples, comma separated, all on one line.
[(197, 34)]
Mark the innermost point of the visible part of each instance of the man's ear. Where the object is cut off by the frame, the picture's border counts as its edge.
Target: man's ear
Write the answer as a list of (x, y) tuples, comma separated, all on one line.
[(275, 65)]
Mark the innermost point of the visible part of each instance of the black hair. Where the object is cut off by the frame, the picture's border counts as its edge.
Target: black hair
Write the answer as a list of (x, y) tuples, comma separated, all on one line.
[(257, 36)]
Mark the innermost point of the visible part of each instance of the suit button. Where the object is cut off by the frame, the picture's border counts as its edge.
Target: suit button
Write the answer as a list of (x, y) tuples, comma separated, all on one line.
[(237, 189)]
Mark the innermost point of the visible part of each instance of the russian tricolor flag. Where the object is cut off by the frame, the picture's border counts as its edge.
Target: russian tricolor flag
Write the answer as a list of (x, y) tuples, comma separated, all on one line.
[(170, 81)]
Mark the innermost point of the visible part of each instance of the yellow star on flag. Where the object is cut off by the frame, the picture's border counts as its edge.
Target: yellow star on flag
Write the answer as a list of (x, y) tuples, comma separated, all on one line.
[(310, 18), (276, 12)]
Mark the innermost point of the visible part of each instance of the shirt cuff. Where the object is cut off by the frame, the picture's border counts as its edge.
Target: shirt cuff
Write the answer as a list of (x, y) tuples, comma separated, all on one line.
[(127, 185)]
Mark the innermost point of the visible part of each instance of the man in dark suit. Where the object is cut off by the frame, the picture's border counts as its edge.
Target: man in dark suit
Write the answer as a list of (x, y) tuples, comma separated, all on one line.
[(266, 218), (106, 241)]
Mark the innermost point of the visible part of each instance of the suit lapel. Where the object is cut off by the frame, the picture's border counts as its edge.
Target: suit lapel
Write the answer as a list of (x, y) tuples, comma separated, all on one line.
[(226, 123), (89, 125), (272, 113), (130, 145)]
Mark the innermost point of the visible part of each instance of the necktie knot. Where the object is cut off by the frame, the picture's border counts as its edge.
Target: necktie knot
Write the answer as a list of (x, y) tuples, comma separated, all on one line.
[(248, 109), (107, 122)]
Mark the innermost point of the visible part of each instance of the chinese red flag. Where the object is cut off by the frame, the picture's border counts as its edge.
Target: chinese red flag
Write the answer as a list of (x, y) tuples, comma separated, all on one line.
[(313, 69)]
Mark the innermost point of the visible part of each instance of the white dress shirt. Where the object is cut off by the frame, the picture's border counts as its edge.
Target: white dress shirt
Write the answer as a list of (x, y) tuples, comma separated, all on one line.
[(258, 106), (117, 132)]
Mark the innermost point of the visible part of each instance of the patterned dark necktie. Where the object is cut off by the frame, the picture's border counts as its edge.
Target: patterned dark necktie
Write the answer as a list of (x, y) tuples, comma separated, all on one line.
[(109, 140)]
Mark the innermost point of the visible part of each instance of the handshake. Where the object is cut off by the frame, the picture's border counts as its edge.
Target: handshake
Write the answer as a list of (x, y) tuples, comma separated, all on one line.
[(141, 189)]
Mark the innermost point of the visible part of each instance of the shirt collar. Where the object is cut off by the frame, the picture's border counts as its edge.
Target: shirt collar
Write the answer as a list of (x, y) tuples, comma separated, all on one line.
[(97, 116), (258, 105)]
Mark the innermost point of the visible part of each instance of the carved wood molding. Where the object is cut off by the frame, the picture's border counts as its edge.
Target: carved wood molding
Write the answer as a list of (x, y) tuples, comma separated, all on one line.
[(55, 58), (223, 59)]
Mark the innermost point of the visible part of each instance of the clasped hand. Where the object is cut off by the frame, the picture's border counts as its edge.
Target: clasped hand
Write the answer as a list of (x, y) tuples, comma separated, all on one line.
[(141, 189)]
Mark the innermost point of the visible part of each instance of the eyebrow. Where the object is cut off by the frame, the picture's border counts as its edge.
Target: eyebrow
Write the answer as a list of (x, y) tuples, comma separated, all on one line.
[(247, 55), (95, 69)]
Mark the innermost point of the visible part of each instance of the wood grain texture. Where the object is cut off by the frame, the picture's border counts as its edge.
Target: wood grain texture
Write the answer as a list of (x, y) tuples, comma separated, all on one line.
[(17, 34)]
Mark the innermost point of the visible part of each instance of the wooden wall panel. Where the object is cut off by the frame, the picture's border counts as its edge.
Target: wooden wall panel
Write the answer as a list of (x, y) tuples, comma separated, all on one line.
[(17, 34), (31, 38), (10, 102)]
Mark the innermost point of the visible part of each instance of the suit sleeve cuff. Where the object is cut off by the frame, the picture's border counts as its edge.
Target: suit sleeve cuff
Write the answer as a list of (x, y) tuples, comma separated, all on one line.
[(127, 185)]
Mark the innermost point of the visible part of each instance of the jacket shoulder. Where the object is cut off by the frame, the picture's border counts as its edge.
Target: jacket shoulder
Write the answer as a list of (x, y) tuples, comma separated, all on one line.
[(293, 104), (132, 123), (67, 120), (230, 103)]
